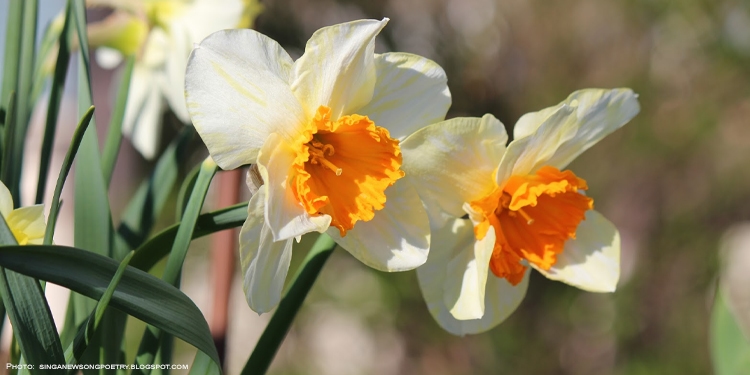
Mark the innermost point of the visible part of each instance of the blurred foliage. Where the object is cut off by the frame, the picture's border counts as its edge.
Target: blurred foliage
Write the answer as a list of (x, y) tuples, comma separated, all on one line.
[(671, 180)]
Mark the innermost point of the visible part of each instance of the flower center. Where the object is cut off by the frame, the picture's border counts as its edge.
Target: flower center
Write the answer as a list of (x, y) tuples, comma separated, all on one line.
[(343, 168), (532, 217)]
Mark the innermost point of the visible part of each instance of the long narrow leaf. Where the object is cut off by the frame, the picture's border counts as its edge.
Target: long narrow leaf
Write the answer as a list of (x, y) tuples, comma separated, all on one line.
[(30, 316), (150, 341), (6, 172), (12, 54), (146, 205), (54, 208), (76, 349), (114, 135), (158, 246), (138, 293), (93, 224), (53, 107), (24, 103)]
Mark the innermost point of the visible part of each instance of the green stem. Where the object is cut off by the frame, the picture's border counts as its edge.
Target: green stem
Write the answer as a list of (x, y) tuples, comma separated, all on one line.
[(278, 327)]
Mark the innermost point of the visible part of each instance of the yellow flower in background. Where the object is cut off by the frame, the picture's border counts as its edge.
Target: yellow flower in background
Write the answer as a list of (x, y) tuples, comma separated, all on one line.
[(324, 132), (26, 223), (161, 33), (497, 211)]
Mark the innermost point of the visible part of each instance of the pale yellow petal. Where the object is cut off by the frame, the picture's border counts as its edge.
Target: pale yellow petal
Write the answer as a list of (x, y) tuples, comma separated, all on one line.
[(285, 216), (525, 155), (591, 261), (411, 92), (237, 93), (6, 200), (264, 263), (397, 238), (500, 297), (27, 224), (338, 68), (466, 277), (598, 113), (452, 162)]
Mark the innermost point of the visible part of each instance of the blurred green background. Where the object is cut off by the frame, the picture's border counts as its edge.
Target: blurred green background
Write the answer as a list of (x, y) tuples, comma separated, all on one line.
[(671, 180)]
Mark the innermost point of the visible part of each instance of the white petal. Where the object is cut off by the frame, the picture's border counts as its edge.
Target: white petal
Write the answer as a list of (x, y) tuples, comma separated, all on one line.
[(29, 221), (599, 113), (500, 297), (108, 58), (338, 68), (143, 111), (173, 77), (237, 93), (525, 155), (397, 238), (592, 260), (452, 162), (285, 215), (264, 262), (466, 278), (6, 200), (410, 92)]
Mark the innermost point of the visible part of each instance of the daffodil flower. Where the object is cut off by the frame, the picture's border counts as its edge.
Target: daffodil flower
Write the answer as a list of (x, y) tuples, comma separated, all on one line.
[(323, 132), (497, 211), (161, 33), (26, 223)]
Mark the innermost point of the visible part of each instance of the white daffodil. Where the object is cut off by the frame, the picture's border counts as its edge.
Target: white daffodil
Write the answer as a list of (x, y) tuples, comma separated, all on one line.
[(324, 133), (496, 210), (26, 223), (161, 33)]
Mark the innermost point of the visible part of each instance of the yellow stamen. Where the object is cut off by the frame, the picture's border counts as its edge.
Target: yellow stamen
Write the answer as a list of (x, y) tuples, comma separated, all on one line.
[(318, 151)]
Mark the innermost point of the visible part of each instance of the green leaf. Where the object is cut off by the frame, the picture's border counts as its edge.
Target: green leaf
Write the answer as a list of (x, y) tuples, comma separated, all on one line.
[(138, 293), (146, 205), (93, 224), (114, 137), (184, 194), (29, 314), (150, 341), (53, 107), (204, 365), (84, 336), (158, 246), (730, 349), (12, 54), (6, 174), (24, 102), (54, 208), (272, 337)]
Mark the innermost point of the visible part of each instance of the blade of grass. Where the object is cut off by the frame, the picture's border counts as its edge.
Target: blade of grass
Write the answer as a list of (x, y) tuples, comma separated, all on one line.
[(53, 107), (114, 135), (150, 341), (54, 208), (139, 294), (272, 337), (29, 314)]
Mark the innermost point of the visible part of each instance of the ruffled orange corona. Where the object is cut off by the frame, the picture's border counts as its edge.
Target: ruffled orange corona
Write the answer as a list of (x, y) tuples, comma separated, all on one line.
[(532, 216), (343, 167)]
